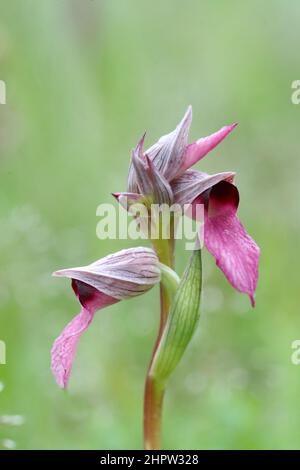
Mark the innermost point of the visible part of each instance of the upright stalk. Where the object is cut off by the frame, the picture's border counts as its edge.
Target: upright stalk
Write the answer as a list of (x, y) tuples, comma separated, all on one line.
[(154, 391)]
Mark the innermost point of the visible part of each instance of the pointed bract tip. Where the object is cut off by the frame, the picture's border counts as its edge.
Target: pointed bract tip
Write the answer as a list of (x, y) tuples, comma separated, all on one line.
[(57, 273), (142, 139), (62, 273), (116, 195), (188, 114), (140, 145)]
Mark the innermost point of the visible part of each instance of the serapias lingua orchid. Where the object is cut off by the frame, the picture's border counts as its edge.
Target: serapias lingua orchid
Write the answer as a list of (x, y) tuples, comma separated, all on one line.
[(163, 171), (163, 175), (118, 276)]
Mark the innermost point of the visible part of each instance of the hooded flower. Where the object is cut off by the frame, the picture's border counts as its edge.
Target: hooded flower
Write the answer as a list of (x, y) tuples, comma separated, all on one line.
[(172, 154), (236, 254), (119, 276)]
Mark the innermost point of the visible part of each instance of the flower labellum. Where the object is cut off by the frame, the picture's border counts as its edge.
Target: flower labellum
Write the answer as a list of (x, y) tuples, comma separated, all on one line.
[(235, 252)]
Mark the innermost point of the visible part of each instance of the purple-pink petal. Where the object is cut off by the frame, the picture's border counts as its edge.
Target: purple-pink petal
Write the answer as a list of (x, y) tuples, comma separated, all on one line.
[(65, 346), (235, 252), (132, 184), (168, 152), (121, 275), (162, 192), (197, 150), (192, 183), (146, 179), (140, 170), (118, 276)]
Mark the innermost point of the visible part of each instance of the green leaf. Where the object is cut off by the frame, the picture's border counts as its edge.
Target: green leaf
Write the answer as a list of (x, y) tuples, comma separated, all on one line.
[(182, 321)]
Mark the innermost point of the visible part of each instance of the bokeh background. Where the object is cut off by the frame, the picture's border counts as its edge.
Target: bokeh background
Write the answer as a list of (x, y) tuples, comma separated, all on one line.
[(85, 78)]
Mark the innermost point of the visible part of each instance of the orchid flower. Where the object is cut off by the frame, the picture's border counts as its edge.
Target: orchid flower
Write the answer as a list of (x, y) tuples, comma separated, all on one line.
[(235, 252), (162, 175), (119, 276), (172, 155)]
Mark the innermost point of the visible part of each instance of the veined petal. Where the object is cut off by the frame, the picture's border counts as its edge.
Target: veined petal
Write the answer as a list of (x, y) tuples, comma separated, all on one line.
[(162, 192), (132, 183), (145, 178), (187, 187), (168, 153), (235, 252), (139, 166), (197, 150), (65, 346), (121, 275)]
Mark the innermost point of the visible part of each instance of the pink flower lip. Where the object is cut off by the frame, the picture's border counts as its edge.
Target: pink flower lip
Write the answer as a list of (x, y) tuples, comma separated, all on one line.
[(119, 276)]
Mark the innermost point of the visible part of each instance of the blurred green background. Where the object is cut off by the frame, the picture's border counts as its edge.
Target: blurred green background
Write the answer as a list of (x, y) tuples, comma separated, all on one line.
[(84, 80)]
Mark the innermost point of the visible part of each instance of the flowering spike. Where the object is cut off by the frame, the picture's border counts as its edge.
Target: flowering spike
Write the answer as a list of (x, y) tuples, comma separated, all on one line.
[(162, 175)]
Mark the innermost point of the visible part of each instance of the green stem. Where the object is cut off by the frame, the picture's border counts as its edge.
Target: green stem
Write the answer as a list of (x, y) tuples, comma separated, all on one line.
[(154, 391)]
